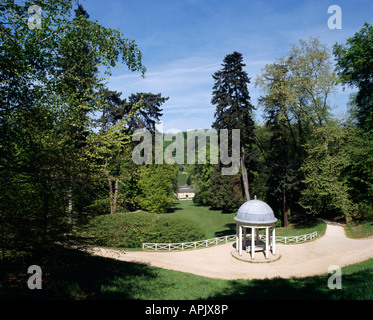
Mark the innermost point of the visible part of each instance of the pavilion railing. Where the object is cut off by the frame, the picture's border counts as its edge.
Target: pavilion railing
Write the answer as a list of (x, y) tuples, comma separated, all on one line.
[(220, 240)]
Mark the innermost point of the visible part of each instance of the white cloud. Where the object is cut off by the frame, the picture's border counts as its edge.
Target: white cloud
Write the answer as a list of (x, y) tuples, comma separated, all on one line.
[(188, 84)]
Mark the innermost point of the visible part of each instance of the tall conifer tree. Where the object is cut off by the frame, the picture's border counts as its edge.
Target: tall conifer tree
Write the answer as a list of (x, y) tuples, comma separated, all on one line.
[(233, 107)]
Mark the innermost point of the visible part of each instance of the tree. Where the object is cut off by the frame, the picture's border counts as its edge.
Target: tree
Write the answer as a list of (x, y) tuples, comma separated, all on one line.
[(297, 89), (225, 192), (355, 68), (233, 107), (146, 108), (158, 185), (141, 111), (280, 159), (49, 83), (112, 154), (327, 187), (199, 174)]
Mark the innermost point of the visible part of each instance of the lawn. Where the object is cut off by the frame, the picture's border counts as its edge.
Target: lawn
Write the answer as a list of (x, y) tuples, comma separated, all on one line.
[(359, 230), (70, 274), (215, 223), (185, 222), (181, 179)]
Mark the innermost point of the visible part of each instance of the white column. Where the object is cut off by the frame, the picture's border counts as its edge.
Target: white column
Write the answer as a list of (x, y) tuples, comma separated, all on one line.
[(237, 240), (257, 239), (267, 241), (244, 236), (252, 242), (273, 241), (240, 240)]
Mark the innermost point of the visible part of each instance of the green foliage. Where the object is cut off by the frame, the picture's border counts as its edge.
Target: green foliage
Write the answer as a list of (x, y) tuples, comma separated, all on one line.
[(49, 88), (355, 65), (200, 175), (225, 192), (157, 184), (130, 230), (142, 110), (234, 109), (283, 161), (297, 87), (327, 189), (360, 170), (231, 97)]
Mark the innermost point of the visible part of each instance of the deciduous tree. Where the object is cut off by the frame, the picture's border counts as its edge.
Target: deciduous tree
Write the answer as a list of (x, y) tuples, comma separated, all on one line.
[(49, 88), (355, 67)]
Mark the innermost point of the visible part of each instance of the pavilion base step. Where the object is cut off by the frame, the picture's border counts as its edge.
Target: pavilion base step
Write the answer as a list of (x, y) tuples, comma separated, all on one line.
[(258, 258)]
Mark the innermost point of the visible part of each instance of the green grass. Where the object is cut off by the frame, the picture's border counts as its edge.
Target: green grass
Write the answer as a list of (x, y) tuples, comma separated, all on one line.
[(181, 179), (186, 222), (69, 274), (302, 226), (215, 223), (359, 230)]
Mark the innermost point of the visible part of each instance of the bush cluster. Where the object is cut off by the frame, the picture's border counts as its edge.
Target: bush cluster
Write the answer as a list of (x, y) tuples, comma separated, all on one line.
[(130, 230)]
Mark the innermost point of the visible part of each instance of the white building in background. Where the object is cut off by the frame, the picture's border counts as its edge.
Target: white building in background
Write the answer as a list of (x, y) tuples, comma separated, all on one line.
[(185, 193)]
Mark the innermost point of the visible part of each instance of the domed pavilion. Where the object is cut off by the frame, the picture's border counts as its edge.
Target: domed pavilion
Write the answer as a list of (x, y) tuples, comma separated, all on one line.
[(255, 215)]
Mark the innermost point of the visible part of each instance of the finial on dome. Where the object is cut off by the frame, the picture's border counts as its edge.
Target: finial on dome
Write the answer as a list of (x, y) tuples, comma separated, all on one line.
[(255, 197)]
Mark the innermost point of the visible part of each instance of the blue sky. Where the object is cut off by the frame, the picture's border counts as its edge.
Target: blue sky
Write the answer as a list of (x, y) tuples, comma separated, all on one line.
[(184, 42)]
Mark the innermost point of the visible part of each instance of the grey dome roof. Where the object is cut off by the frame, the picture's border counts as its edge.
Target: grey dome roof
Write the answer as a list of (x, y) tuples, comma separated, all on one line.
[(255, 212)]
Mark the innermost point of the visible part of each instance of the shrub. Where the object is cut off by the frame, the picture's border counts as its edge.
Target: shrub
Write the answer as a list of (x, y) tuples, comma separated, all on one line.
[(130, 230), (170, 229)]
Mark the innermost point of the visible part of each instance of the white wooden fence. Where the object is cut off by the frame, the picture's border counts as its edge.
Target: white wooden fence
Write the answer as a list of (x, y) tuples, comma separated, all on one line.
[(294, 239), (188, 245), (219, 240)]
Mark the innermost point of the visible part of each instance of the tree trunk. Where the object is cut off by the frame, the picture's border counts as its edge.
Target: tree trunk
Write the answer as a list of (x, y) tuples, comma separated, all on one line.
[(115, 197), (245, 178), (70, 206), (45, 211), (285, 216), (348, 218), (111, 195)]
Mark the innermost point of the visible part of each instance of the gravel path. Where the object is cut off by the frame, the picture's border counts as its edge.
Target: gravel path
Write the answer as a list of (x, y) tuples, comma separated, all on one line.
[(298, 260)]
